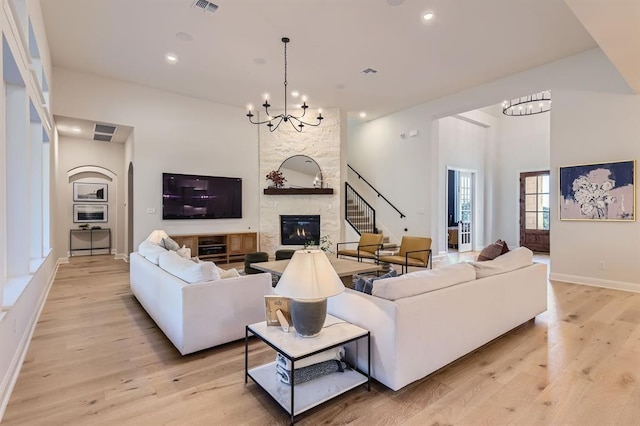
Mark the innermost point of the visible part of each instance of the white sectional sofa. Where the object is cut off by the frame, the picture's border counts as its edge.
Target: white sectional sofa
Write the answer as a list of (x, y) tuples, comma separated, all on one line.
[(422, 321), (202, 314)]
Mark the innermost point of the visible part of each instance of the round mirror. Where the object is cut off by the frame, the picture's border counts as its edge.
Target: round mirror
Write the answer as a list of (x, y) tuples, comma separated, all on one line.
[(301, 172)]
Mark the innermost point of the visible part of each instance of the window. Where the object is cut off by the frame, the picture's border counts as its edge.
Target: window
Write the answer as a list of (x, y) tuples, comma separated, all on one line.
[(537, 202)]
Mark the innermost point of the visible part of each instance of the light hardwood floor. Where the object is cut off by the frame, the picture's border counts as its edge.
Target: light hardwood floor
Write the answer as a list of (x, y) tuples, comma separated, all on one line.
[(97, 358)]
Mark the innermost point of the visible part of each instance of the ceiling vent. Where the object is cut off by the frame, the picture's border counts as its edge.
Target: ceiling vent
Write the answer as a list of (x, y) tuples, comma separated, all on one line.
[(104, 132), (205, 6), (104, 128), (103, 138), (368, 71)]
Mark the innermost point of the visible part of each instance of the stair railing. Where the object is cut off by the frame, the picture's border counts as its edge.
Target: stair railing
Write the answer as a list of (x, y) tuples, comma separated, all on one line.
[(402, 215), (358, 213)]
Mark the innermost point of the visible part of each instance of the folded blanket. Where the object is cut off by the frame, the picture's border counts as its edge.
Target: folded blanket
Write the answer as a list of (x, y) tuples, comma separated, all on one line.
[(310, 372), (333, 353)]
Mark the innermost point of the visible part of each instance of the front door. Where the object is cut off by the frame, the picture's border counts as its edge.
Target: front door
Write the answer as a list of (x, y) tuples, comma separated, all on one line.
[(465, 212), (534, 211)]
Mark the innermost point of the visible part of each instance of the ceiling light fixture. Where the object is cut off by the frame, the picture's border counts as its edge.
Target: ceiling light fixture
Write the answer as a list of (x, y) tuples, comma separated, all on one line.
[(171, 58), (363, 114), (428, 16), (528, 105), (273, 122)]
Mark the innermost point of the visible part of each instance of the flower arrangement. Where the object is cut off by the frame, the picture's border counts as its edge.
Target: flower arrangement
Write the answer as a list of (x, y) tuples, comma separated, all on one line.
[(277, 178), (325, 244), (594, 199)]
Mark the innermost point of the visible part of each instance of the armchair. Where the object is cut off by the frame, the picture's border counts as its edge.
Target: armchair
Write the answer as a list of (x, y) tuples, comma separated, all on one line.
[(368, 247), (414, 251)]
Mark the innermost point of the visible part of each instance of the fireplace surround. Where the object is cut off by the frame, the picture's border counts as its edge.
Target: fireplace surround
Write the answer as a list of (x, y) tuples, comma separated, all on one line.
[(296, 230)]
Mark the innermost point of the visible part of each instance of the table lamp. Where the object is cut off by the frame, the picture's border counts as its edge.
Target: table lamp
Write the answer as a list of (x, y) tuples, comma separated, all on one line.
[(308, 280)]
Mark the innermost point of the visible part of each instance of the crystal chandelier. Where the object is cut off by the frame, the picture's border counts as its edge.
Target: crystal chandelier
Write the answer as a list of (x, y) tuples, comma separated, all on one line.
[(273, 122), (528, 105)]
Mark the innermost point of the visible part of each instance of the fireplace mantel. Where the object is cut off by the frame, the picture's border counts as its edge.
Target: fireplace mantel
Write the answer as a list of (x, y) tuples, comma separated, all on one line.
[(297, 191)]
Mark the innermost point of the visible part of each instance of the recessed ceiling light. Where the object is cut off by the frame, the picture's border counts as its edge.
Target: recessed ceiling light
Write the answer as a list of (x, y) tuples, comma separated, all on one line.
[(75, 129), (295, 93), (172, 58), (428, 16), (182, 36), (363, 114)]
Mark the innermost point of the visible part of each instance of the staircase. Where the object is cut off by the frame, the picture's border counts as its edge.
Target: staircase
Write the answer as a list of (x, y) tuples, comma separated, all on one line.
[(363, 222)]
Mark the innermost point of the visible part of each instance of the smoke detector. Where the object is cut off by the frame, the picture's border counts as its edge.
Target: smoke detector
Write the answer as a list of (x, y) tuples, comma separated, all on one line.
[(205, 6)]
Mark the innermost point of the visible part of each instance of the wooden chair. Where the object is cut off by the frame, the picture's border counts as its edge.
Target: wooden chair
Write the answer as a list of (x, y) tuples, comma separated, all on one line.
[(414, 251), (368, 247)]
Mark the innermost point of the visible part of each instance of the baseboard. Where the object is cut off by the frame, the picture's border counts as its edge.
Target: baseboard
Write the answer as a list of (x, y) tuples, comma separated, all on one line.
[(122, 256), (595, 282), (6, 388)]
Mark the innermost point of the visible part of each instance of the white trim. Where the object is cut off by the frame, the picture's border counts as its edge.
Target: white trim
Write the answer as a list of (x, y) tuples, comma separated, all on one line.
[(595, 282), (121, 256), (6, 387)]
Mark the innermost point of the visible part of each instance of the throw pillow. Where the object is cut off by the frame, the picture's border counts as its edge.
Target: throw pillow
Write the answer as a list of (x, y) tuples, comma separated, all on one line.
[(170, 244), (365, 285), (184, 252), (231, 273), (492, 251)]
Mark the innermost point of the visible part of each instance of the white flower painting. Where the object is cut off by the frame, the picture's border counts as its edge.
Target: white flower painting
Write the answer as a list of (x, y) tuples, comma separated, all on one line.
[(598, 192)]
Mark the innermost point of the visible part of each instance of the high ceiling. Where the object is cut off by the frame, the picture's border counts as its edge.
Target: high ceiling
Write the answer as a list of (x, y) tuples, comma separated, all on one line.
[(235, 54)]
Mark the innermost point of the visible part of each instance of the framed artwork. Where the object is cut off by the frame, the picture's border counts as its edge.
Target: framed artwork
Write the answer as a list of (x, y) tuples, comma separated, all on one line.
[(89, 213), (84, 192), (603, 191)]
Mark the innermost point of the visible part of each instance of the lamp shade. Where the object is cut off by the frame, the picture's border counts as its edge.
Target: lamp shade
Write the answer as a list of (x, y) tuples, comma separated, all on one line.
[(157, 235), (308, 276)]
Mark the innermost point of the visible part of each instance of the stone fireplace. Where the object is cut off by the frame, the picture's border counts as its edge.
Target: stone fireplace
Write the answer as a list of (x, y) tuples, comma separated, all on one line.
[(296, 230), (326, 145)]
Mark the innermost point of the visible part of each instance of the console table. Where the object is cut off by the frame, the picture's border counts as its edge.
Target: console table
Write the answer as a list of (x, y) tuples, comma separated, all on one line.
[(90, 233), (297, 398)]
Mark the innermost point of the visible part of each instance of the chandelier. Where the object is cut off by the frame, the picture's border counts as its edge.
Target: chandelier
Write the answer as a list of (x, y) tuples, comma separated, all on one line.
[(528, 105), (273, 122)]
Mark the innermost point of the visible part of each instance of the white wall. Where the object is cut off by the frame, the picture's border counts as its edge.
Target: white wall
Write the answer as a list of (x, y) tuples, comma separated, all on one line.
[(593, 118), (463, 141), (395, 167), (173, 133), (74, 153), (523, 146), (593, 127)]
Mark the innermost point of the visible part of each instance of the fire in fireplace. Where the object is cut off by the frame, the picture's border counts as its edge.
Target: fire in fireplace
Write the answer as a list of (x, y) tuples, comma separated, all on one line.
[(296, 230)]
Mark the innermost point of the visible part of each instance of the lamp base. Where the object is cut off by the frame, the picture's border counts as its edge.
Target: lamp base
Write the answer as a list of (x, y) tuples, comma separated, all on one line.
[(308, 316)]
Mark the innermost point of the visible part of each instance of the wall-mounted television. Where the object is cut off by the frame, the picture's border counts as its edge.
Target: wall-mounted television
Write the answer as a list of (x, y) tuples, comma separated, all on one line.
[(201, 197)]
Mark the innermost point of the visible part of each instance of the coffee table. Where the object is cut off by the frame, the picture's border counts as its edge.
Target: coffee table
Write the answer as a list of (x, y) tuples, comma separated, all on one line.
[(345, 269)]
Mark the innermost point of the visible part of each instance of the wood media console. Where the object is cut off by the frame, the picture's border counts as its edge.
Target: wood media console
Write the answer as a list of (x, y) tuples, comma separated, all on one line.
[(220, 248)]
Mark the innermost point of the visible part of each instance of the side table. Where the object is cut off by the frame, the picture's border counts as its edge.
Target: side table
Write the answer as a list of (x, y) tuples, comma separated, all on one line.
[(91, 233), (296, 399)]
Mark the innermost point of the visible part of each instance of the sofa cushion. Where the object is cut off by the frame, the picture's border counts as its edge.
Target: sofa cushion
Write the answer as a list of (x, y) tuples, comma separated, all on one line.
[(515, 259), (186, 270), (150, 251), (170, 244), (493, 250), (229, 273), (419, 282), (365, 285)]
